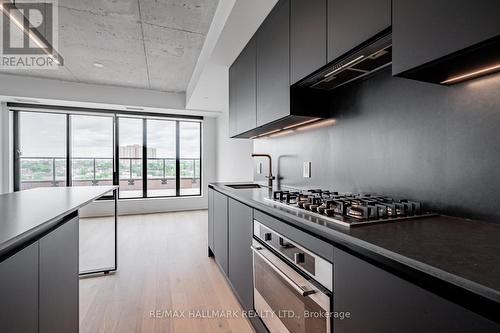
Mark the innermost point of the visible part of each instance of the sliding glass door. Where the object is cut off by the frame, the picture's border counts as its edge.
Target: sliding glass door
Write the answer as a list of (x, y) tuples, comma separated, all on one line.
[(148, 157), (190, 158), (130, 151), (91, 150), (41, 152), (161, 159)]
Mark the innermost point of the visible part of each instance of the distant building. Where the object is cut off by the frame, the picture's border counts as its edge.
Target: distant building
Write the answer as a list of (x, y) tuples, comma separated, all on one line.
[(135, 151)]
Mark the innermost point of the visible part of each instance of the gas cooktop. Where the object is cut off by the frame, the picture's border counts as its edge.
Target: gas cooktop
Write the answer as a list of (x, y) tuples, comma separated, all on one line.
[(349, 209)]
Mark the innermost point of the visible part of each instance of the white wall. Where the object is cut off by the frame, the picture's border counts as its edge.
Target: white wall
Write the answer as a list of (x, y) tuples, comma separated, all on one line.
[(5, 166), (234, 160)]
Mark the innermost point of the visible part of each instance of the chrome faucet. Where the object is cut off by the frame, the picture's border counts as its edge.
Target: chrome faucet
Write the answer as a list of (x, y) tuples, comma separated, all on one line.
[(270, 177)]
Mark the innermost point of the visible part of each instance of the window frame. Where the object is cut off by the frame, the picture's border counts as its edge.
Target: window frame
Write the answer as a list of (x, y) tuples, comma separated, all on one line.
[(16, 108)]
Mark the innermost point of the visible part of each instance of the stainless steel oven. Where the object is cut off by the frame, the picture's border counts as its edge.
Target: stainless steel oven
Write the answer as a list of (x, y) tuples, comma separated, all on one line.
[(292, 285)]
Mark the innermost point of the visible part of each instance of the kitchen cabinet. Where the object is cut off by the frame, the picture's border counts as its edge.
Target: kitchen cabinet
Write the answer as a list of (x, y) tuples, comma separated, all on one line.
[(19, 291), (242, 91), (425, 30), (307, 37), (273, 65), (289, 45), (220, 230), (210, 221), (240, 255), (352, 22), (58, 279), (383, 302)]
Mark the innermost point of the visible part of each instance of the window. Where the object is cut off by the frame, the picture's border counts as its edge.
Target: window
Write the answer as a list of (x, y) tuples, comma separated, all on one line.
[(146, 156), (190, 153), (42, 150), (161, 142), (91, 150), (130, 143)]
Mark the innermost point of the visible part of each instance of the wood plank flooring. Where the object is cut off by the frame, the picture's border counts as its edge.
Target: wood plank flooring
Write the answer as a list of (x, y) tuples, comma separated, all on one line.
[(162, 265)]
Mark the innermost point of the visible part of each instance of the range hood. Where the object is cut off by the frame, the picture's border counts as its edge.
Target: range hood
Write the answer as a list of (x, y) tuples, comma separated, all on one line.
[(361, 62)]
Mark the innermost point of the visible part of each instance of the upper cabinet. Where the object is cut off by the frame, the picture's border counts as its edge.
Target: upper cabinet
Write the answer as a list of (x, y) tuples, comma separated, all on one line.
[(242, 91), (435, 41), (307, 37), (352, 22), (289, 45), (273, 65)]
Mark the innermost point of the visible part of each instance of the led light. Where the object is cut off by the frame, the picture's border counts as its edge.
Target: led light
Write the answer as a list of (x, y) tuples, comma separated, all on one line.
[(318, 124), (344, 66), (281, 133), (98, 64), (29, 32), (268, 133), (302, 123), (471, 74)]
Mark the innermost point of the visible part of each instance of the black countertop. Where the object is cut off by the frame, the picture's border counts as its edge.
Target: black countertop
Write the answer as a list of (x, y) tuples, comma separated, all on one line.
[(25, 215), (465, 253)]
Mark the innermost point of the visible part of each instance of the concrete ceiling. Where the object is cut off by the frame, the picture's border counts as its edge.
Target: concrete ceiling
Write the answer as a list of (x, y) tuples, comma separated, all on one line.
[(149, 44)]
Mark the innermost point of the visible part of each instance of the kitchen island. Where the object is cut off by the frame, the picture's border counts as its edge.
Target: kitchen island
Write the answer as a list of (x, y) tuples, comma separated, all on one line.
[(39, 257)]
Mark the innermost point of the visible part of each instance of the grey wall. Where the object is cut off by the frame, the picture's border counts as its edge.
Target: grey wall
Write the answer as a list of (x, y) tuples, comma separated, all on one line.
[(403, 138)]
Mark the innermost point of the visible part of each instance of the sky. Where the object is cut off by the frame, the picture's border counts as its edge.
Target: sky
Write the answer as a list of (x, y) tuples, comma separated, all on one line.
[(44, 135)]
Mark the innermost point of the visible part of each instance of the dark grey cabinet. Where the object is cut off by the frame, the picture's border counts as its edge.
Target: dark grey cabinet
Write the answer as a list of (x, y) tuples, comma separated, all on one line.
[(220, 230), (242, 91), (382, 302), (240, 255), (307, 37), (273, 65), (19, 291), (426, 30), (352, 22), (39, 284), (58, 280), (210, 220)]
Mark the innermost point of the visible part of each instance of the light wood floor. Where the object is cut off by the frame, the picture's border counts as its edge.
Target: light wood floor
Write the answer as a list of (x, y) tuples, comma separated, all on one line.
[(163, 265)]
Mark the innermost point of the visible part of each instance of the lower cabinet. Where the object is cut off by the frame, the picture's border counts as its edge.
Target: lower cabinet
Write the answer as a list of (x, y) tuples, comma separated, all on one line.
[(220, 235), (379, 301), (39, 284), (210, 221), (58, 279), (240, 255), (19, 291)]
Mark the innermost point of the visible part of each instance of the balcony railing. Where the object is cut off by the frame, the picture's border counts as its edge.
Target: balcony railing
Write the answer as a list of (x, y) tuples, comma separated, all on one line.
[(51, 171)]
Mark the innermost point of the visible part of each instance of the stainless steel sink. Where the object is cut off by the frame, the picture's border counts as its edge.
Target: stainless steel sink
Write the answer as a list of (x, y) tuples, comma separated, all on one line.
[(244, 186)]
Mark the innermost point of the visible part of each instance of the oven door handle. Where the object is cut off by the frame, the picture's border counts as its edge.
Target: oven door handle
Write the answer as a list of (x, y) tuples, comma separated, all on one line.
[(302, 290)]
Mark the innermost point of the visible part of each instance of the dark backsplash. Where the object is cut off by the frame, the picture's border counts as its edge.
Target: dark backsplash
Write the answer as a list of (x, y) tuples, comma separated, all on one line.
[(406, 139)]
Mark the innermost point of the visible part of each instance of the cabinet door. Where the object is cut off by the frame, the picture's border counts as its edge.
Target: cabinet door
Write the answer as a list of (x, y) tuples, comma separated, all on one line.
[(427, 30), (307, 37), (382, 302), (233, 103), (246, 88), (59, 279), (220, 230), (352, 22), (211, 219), (19, 291), (240, 255), (273, 65)]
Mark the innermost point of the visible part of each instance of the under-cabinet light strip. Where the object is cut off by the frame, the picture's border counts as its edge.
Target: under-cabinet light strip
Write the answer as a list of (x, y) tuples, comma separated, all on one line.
[(471, 74)]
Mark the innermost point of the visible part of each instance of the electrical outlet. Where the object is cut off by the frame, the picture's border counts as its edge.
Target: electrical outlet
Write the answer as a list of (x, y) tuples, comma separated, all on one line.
[(259, 168), (306, 170)]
